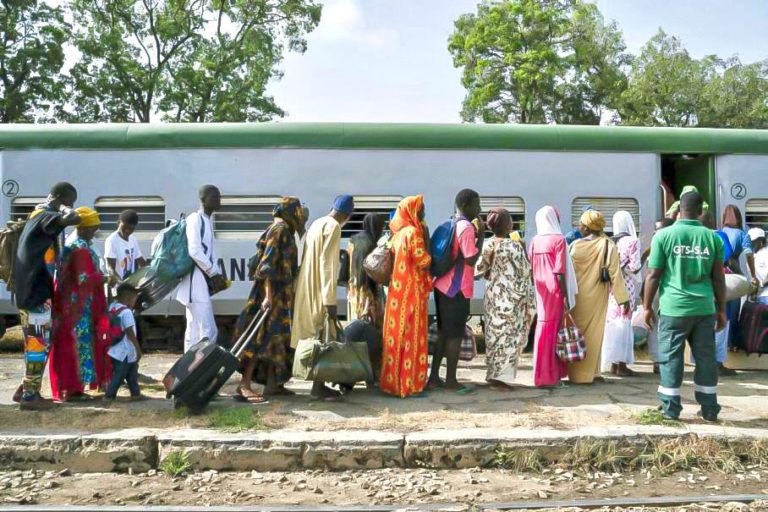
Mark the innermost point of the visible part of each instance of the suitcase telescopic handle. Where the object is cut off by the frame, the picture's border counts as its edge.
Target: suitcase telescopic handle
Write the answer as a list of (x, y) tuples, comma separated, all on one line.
[(239, 347)]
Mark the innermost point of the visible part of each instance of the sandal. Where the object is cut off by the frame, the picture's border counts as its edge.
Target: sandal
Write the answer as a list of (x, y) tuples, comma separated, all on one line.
[(461, 390), (327, 395), (250, 399)]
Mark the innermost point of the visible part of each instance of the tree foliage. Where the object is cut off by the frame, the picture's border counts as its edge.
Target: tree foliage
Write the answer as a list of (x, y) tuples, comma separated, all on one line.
[(186, 60), (32, 36), (537, 61)]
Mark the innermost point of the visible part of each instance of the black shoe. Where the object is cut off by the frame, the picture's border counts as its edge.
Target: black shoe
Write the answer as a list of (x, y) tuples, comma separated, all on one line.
[(709, 416), (669, 417), (726, 372)]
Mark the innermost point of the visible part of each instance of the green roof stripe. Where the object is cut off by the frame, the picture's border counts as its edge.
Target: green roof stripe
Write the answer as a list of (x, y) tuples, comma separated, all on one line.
[(385, 136)]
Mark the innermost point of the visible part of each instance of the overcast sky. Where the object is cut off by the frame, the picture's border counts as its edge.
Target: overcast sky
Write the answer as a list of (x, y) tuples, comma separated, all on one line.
[(387, 60)]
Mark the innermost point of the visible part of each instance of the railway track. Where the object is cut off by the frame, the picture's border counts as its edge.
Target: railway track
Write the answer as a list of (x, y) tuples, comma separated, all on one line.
[(660, 502)]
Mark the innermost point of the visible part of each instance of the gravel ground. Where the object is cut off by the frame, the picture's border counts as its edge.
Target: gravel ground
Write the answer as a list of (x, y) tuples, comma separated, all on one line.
[(401, 487)]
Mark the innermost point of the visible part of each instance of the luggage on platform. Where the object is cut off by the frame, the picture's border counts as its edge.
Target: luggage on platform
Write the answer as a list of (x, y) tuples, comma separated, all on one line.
[(152, 287), (753, 328), (201, 372), (339, 362)]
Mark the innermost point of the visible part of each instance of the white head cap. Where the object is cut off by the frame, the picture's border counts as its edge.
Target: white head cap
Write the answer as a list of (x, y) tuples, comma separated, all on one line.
[(755, 233)]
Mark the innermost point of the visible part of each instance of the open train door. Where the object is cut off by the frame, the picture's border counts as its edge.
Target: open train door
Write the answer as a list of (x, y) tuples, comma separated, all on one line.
[(677, 171)]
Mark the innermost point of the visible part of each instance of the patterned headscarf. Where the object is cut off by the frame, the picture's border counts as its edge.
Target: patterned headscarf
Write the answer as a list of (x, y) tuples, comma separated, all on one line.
[(290, 210), (594, 220), (89, 218), (407, 213), (498, 217)]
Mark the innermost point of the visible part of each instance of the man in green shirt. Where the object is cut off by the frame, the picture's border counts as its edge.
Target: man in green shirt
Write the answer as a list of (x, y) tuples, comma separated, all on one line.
[(686, 266)]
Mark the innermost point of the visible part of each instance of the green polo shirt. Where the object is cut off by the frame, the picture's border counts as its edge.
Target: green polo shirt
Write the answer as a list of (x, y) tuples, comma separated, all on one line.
[(686, 252)]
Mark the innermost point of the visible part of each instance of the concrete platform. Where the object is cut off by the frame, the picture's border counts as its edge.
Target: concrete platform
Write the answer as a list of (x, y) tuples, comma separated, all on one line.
[(139, 451)]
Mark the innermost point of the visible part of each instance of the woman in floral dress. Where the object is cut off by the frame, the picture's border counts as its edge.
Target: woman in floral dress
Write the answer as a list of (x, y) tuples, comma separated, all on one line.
[(80, 323), (275, 267), (404, 362), (509, 302)]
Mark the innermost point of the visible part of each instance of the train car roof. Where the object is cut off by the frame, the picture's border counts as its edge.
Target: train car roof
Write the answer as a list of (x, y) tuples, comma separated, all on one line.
[(385, 136)]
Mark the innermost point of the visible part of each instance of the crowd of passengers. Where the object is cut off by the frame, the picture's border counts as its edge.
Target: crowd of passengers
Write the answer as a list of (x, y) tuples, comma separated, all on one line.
[(603, 285)]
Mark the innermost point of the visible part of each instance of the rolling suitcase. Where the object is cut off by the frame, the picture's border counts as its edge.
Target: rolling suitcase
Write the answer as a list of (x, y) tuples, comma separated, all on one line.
[(753, 328), (152, 288), (200, 373)]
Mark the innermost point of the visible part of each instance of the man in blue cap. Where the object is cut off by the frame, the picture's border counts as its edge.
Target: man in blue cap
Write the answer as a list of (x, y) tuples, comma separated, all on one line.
[(575, 234), (316, 285)]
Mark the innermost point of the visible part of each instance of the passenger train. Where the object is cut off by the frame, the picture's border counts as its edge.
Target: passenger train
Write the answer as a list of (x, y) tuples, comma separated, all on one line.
[(157, 170)]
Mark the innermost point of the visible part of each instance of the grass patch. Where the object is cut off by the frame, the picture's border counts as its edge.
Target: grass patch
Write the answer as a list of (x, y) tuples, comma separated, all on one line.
[(235, 419), (520, 460), (655, 417), (175, 464), (154, 387), (661, 456)]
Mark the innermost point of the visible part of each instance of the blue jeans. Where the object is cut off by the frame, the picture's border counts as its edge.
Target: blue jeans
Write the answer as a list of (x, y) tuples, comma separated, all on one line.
[(124, 371)]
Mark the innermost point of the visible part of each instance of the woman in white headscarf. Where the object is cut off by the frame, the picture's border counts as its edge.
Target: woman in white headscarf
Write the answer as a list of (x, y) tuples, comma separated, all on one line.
[(555, 283), (618, 340)]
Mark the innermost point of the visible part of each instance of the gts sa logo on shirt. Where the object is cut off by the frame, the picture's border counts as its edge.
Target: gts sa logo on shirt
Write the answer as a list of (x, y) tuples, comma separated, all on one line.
[(690, 251)]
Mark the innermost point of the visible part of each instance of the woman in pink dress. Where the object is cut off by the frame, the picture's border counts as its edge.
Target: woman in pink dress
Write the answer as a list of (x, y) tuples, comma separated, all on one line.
[(555, 284)]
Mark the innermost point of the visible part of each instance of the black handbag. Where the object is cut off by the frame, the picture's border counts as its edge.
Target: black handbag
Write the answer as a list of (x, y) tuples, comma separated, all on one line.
[(605, 275)]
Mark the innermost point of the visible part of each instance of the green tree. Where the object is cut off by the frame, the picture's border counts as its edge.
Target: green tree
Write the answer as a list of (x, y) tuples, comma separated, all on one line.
[(665, 84), (537, 61), (736, 96), (185, 60), (31, 57)]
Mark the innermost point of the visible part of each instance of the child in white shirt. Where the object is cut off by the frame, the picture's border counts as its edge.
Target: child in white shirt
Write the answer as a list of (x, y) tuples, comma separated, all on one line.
[(125, 351)]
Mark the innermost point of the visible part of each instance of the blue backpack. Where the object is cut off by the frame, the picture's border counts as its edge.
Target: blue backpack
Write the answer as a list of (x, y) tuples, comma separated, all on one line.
[(170, 254), (440, 248)]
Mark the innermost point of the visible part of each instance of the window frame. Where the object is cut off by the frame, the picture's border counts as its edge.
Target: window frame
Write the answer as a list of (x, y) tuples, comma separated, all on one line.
[(576, 212), (131, 203), (32, 201), (516, 212), (363, 207), (244, 200)]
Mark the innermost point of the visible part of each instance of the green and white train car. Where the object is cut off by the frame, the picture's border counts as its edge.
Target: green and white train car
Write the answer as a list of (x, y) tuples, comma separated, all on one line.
[(157, 170)]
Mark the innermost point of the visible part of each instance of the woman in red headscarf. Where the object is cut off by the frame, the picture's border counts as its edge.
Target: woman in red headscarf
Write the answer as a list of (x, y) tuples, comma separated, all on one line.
[(404, 363)]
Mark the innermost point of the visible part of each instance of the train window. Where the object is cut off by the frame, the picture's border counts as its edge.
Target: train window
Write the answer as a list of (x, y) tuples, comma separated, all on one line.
[(151, 210), (756, 213), (607, 206), (244, 215), (21, 207), (368, 204), (514, 205)]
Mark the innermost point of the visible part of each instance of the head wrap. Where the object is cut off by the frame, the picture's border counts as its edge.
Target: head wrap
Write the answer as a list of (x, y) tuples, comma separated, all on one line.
[(407, 213), (373, 226), (756, 233), (624, 223), (594, 220), (498, 217), (548, 221), (89, 218), (289, 209), (732, 217), (344, 204)]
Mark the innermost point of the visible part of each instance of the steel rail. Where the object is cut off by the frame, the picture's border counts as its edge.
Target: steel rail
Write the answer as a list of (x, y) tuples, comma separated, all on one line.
[(662, 501)]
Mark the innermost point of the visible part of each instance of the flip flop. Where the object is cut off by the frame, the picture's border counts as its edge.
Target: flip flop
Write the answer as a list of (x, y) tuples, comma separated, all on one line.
[(255, 399), (461, 390)]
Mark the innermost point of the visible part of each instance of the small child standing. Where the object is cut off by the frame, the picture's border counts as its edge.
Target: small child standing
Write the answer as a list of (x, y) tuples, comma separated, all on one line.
[(125, 351)]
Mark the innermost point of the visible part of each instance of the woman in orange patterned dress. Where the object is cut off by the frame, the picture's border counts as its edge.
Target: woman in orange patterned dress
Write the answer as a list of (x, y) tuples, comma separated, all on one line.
[(404, 364)]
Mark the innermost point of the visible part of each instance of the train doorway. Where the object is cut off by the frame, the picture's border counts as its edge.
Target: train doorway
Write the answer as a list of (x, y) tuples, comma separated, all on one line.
[(677, 171)]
